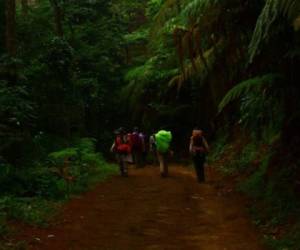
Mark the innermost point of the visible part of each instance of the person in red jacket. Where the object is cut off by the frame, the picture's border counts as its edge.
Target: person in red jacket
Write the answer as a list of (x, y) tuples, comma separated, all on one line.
[(122, 148)]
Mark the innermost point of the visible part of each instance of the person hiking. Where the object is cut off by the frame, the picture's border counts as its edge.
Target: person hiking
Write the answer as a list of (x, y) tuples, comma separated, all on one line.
[(198, 149), (137, 147), (163, 140), (129, 141), (143, 137), (152, 148), (122, 149)]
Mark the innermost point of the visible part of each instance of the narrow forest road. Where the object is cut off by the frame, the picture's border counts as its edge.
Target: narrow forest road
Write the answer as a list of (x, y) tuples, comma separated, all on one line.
[(145, 212)]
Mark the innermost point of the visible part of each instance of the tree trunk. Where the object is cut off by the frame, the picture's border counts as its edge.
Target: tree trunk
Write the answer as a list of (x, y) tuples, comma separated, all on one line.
[(24, 4), (178, 5), (2, 27), (58, 17), (10, 27)]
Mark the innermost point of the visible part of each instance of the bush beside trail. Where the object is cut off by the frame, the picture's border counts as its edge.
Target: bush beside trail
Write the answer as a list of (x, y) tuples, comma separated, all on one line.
[(33, 194)]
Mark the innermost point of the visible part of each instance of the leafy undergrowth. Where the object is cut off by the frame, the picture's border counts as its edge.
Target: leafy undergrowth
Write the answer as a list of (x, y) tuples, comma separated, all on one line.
[(32, 195), (271, 186)]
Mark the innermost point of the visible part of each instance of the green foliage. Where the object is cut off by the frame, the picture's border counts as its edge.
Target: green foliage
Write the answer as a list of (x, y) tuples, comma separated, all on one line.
[(242, 89), (150, 72), (80, 71), (60, 156), (32, 194), (82, 163), (218, 146), (59, 56), (261, 105), (241, 162), (290, 241), (256, 182), (29, 210), (50, 179), (272, 10), (15, 106), (195, 9), (153, 6), (271, 187), (137, 37)]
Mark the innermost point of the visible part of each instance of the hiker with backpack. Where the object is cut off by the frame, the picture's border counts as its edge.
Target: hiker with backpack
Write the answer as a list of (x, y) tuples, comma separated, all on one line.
[(121, 147), (198, 149), (152, 148), (163, 140), (143, 138), (138, 146)]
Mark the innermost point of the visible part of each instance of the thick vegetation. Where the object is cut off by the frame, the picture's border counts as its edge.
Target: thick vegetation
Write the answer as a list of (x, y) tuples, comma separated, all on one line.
[(231, 68), (71, 71), (61, 66)]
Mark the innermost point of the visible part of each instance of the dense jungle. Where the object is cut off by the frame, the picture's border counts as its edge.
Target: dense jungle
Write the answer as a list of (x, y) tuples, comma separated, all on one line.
[(72, 72)]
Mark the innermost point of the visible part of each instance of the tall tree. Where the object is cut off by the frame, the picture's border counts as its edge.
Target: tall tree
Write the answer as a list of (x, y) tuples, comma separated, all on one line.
[(25, 6), (2, 26), (58, 17), (10, 27)]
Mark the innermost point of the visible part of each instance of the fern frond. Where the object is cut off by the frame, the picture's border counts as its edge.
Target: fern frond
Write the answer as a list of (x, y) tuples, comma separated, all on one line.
[(201, 65), (168, 11), (271, 11), (196, 8), (245, 87)]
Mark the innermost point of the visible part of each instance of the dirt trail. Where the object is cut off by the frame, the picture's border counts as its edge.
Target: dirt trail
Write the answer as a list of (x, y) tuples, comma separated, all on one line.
[(145, 212)]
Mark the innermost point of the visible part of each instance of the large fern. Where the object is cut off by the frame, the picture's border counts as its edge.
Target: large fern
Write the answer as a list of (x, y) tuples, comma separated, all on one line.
[(196, 9), (272, 10), (197, 69), (245, 87)]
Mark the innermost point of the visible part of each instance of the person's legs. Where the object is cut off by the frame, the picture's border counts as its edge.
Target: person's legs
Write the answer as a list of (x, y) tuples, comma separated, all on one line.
[(199, 166), (161, 162), (134, 156), (143, 159), (166, 167), (125, 169), (163, 167), (123, 165), (154, 160)]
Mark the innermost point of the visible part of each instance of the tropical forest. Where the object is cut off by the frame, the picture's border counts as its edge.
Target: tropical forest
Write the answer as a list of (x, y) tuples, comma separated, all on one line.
[(149, 124)]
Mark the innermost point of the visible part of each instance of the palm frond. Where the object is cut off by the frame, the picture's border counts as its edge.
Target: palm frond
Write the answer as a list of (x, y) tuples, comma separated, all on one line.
[(245, 87), (168, 11), (271, 11), (196, 9), (199, 68)]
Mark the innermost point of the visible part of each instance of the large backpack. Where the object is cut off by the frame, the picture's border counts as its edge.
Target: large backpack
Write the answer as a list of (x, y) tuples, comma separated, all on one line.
[(198, 144), (163, 140), (136, 141), (121, 146)]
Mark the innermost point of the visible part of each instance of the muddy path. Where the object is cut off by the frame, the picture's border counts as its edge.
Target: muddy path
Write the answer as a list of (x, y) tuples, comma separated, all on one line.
[(146, 212)]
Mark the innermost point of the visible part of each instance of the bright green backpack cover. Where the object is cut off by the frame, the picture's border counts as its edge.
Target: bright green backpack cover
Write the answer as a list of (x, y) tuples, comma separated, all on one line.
[(163, 139)]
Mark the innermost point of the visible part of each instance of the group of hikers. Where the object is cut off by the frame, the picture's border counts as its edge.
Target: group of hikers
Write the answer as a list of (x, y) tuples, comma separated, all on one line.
[(133, 147)]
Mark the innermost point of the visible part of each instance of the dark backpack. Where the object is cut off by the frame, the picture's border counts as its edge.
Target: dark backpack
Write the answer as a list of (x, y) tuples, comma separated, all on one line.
[(136, 141), (198, 144)]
